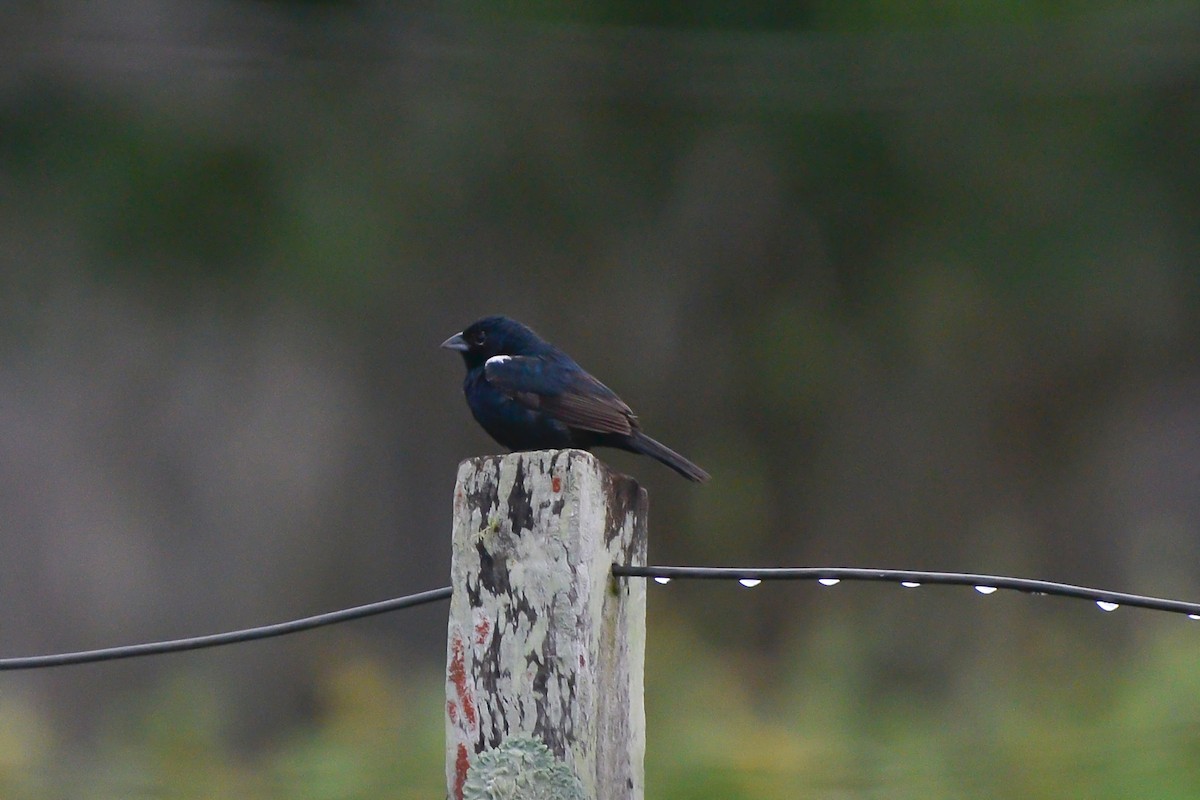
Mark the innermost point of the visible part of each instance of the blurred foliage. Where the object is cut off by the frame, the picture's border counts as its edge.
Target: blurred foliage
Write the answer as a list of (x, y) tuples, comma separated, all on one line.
[(1055, 728)]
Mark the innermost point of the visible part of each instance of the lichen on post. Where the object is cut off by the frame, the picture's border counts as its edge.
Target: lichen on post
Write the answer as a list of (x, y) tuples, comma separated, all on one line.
[(544, 643)]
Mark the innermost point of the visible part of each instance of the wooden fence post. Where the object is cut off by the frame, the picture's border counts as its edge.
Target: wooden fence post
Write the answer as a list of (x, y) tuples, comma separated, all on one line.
[(544, 677)]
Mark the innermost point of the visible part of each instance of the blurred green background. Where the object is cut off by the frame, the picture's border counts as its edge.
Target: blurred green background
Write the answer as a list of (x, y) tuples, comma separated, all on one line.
[(919, 283)]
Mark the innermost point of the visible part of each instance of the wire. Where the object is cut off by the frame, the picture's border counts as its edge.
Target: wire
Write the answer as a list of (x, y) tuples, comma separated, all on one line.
[(230, 637), (721, 69), (749, 576), (985, 584)]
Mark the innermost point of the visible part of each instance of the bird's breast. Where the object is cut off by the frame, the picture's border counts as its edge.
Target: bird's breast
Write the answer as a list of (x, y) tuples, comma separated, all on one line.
[(514, 423)]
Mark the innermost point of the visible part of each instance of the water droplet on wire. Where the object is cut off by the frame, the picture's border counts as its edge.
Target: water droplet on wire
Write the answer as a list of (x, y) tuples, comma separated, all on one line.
[(909, 584), (829, 581), (985, 589), (661, 579), (1107, 606), (749, 583)]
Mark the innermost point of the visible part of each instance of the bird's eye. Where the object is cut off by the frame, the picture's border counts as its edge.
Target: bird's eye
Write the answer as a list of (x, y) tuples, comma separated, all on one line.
[(480, 337)]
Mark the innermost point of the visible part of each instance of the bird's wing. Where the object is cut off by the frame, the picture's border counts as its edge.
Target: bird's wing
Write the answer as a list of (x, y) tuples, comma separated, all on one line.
[(564, 391)]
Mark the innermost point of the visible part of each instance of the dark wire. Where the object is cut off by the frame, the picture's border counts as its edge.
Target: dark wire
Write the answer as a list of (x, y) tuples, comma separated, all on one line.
[(1108, 601), (230, 637)]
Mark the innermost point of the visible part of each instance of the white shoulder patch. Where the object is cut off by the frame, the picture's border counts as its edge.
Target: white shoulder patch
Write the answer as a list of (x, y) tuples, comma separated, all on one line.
[(496, 361)]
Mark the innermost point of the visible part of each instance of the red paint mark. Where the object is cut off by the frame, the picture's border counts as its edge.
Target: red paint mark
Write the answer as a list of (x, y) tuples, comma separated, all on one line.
[(461, 764), (482, 629), (458, 676), (452, 711), (468, 709), (556, 485), (458, 670)]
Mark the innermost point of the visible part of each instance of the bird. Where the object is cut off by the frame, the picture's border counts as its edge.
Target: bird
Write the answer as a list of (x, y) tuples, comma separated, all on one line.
[(529, 395)]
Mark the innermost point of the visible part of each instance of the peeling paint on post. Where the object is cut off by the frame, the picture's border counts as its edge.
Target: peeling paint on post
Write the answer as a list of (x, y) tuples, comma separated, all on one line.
[(543, 641)]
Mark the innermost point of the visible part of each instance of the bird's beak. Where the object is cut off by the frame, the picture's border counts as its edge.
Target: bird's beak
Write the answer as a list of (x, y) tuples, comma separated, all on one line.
[(456, 342)]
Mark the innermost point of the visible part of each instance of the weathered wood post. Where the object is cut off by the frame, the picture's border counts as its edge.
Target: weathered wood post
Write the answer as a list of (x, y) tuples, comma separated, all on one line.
[(544, 678)]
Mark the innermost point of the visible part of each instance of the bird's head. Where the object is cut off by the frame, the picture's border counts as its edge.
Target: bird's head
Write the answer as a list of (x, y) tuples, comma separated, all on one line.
[(494, 336)]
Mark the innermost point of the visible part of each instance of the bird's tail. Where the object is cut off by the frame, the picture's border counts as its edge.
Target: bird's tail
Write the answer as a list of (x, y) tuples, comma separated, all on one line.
[(641, 443)]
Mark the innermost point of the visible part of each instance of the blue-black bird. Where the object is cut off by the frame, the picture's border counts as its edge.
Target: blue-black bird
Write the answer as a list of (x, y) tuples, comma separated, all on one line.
[(529, 395)]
